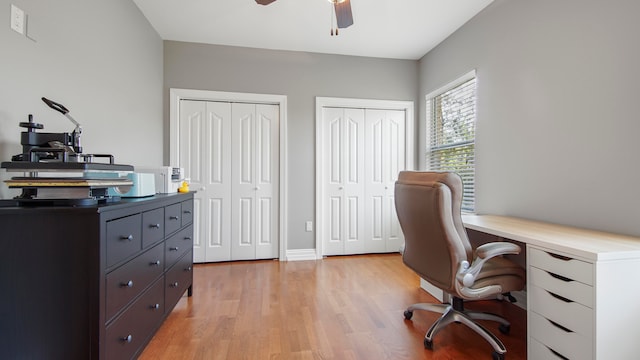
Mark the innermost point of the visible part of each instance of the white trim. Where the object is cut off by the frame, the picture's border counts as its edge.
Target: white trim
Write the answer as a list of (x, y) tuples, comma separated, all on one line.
[(301, 255), (460, 80), (322, 102), (175, 95)]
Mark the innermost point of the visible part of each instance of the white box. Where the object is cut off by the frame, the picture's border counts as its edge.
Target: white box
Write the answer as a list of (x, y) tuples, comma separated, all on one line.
[(167, 179)]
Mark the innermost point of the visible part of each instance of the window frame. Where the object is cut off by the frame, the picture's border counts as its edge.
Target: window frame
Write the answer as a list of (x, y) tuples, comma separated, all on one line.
[(469, 200)]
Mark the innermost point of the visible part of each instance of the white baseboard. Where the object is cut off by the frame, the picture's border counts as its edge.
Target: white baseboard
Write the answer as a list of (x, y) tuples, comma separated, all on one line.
[(301, 255)]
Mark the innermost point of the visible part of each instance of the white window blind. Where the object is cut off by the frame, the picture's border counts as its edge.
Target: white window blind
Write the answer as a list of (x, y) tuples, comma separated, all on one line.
[(451, 118)]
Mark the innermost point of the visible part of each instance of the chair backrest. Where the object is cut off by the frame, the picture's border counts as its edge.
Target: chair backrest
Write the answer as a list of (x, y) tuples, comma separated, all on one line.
[(428, 205)]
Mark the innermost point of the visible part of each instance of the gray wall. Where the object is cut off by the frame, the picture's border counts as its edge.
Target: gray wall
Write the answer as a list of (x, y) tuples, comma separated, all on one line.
[(301, 77), (101, 59), (557, 126)]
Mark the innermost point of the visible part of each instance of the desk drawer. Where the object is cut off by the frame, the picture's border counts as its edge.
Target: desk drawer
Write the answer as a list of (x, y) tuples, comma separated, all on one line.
[(574, 269), (568, 344), (124, 238), (126, 335), (152, 227), (126, 282), (570, 315), (565, 287)]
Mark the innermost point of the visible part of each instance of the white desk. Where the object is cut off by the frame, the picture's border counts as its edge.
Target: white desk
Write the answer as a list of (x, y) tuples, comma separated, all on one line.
[(583, 292)]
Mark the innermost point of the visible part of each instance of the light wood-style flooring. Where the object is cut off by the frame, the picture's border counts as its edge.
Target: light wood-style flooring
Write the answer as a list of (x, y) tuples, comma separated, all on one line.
[(348, 307)]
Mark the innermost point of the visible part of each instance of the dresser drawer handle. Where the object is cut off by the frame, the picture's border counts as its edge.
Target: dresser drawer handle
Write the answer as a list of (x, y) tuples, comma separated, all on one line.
[(174, 285), (155, 306), (173, 248), (559, 326), (560, 277), (155, 263), (187, 238), (560, 297), (187, 268), (559, 257), (187, 211), (155, 226), (173, 218), (129, 237), (127, 284), (127, 339)]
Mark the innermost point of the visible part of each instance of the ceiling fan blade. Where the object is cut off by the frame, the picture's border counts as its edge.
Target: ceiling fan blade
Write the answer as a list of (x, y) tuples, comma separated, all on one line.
[(265, 2), (343, 14)]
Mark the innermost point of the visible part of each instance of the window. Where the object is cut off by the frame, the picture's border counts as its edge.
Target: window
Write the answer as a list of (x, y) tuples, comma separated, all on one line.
[(451, 118)]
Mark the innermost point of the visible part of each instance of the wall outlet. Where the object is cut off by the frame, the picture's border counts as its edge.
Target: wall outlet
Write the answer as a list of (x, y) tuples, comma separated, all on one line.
[(17, 19), (308, 226)]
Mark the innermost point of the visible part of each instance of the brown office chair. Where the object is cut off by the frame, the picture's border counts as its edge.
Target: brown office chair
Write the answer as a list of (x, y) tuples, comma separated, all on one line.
[(436, 247)]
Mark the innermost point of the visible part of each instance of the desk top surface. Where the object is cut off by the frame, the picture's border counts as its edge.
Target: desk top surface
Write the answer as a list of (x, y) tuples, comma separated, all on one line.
[(588, 244)]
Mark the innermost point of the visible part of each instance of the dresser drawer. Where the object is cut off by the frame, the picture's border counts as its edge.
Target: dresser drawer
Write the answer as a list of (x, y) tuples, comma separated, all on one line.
[(178, 279), (124, 238), (127, 281), (565, 287), (573, 269), (571, 345), (571, 315), (177, 245), (187, 212), (152, 227), (172, 216), (126, 335)]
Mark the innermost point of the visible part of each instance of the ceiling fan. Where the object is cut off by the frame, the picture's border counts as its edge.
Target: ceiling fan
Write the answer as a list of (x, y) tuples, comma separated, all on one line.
[(342, 9)]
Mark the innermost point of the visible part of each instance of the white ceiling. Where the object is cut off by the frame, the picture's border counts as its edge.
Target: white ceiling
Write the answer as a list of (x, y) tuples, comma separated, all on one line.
[(398, 29)]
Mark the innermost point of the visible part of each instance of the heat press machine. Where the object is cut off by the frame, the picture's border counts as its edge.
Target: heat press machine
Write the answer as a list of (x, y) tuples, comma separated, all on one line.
[(55, 171)]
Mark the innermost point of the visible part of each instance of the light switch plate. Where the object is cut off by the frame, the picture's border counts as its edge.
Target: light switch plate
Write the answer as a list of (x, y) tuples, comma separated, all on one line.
[(308, 226), (17, 19)]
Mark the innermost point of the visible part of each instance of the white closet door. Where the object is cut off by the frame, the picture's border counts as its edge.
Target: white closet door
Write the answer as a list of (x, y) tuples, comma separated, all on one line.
[(385, 149), (205, 155), (344, 181), (254, 211)]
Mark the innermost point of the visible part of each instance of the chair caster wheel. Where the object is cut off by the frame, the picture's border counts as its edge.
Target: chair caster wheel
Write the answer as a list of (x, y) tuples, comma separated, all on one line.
[(504, 328), (408, 314), (428, 344), (497, 356)]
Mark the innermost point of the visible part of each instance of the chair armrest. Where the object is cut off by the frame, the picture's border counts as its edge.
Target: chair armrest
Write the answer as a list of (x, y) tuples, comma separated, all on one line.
[(467, 273)]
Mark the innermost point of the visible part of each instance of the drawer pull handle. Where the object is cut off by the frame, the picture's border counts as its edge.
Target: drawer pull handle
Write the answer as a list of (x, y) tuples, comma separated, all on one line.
[(127, 338), (173, 218), (557, 354), (129, 237), (173, 248), (155, 226), (187, 268), (174, 285), (559, 326), (187, 238), (155, 263), (559, 257), (127, 284), (560, 277), (187, 211), (155, 306), (560, 297)]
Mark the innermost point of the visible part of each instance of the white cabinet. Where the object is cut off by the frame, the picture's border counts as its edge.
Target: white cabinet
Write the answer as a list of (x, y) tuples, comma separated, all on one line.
[(560, 299)]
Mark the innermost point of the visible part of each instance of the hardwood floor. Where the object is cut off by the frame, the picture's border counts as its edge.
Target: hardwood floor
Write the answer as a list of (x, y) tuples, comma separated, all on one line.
[(347, 307)]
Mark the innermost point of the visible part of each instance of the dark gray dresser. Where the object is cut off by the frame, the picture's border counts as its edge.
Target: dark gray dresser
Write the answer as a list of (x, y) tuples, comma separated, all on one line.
[(92, 282)]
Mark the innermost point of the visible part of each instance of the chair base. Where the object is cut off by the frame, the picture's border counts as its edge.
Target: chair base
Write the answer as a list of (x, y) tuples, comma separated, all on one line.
[(455, 313)]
